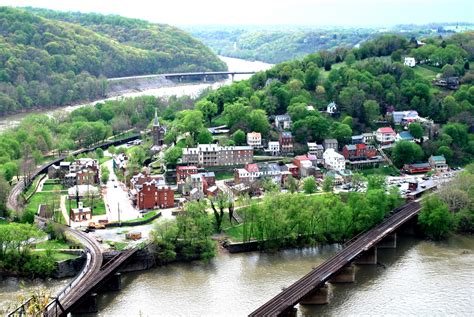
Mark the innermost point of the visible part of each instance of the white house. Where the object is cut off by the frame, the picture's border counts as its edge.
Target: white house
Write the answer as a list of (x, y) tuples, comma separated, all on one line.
[(331, 108), (274, 147), (283, 122), (315, 149), (254, 139), (385, 135), (334, 160), (409, 61)]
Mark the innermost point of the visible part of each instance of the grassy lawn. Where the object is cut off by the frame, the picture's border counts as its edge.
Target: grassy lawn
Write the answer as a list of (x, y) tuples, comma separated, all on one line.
[(380, 171), (52, 244), (145, 217), (30, 189), (224, 175), (235, 232), (98, 209), (50, 187), (104, 159), (60, 256), (119, 246), (426, 72), (42, 198)]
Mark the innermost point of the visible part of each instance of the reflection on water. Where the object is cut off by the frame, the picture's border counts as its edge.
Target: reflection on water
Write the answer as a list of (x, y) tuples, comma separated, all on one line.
[(419, 278)]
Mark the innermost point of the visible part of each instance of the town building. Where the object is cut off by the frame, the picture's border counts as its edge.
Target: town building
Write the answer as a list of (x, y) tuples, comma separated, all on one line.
[(404, 117), (182, 172), (368, 138), (438, 163), (385, 135), (254, 139), (409, 61), (307, 165), (334, 160), (58, 171), (253, 172), (283, 122), (357, 139), (120, 162), (405, 136), (81, 213), (417, 168), (286, 142), (331, 108), (83, 171), (354, 152), (315, 149), (273, 148), (150, 192), (158, 132), (216, 155), (330, 144)]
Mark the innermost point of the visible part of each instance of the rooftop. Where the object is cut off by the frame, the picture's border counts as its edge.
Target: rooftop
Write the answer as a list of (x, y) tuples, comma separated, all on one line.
[(386, 130)]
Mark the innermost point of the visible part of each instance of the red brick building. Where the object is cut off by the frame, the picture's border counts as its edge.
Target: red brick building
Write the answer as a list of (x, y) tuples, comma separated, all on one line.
[(182, 172), (150, 192), (359, 152), (286, 142)]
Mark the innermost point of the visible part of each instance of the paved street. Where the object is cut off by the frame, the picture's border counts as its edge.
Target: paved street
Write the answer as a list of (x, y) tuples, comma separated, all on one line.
[(116, 198)]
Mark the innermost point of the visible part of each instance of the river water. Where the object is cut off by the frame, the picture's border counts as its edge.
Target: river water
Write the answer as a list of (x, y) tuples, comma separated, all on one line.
[(233, 64)]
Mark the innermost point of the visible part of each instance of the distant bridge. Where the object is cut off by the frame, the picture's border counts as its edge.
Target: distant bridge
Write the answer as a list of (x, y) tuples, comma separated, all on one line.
[(312, 288), (181, 76)]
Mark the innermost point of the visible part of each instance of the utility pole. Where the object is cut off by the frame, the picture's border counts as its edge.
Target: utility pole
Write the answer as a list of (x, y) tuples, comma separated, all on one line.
[(118, 211)]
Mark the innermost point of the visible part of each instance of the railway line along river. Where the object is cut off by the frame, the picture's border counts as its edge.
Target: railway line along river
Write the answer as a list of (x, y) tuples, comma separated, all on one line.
[(419, 278)]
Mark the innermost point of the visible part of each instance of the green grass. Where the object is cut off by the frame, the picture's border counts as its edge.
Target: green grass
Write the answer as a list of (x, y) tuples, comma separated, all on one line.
[(380, 171), (31, 189), (52, 244), (119, 246), (59, 256), (104, 159), (50, 187), (98, 209), (145, 217), (42, 198), (235, 232), (224, 175), (426, 72)]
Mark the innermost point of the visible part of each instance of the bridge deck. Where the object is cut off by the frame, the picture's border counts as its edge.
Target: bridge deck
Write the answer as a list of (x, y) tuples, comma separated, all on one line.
[(171, 75), (292, 295)]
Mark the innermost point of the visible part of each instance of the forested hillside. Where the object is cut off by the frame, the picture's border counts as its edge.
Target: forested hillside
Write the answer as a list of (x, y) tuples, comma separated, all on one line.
[(46, 62)]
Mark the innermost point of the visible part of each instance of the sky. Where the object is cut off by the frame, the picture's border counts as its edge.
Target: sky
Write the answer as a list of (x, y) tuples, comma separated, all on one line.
[(272, 12)]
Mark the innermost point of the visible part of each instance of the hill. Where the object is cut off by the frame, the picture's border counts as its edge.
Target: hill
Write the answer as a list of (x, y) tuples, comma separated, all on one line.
[(63, 59)]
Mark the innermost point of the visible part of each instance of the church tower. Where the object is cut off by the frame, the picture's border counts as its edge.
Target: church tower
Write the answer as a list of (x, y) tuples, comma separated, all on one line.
[(158, 132)]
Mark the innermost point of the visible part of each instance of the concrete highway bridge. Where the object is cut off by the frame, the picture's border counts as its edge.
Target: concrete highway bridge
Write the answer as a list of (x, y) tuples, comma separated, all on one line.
[(180, 76), (312, 289)]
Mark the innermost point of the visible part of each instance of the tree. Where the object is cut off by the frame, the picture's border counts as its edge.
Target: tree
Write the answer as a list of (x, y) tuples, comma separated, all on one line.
[(291, 184), (309, 185), (342, 132), (4, 190), (435, 219), (405, 152), (204, 137), (10, 169), (416, 130), (208, 109), (258, 121), (311, 77), (221, 200), (104, 176), (111, 149), (239, 137), (328, 184), (269, 185), (371, 111), (448, 71), (375, 182), (446, 152), (99, 152), (172, 155)]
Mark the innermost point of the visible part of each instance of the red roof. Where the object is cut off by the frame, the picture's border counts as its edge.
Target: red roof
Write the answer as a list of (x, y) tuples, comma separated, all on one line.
[(301, 158), (386, 130), (252, 168), (360, 146), (184, 168)]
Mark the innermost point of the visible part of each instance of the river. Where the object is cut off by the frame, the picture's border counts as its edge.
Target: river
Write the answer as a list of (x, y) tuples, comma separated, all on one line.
[(233, 64), (419, 278)]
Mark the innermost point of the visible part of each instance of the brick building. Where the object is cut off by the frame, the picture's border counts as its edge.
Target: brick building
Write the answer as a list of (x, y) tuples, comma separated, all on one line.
[(150, 192), (359, 152), (286, 142), (182, 172), (216, 155)]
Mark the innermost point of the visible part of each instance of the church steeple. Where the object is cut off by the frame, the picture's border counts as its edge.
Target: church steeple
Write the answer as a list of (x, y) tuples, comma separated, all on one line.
[(155, 121)]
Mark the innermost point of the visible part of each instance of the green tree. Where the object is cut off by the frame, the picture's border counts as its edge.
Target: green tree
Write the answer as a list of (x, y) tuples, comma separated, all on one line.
[(435, 219), (342, 132), (99, 152), (309, 185), (376, 182), (104, 176), (258, 121), (291, 184), (10, 169), (208, 109), (328, 184), (204, 137), (239, 137), (405, 152), (416, 130), (371, 111), (446, 152), (172, 155)]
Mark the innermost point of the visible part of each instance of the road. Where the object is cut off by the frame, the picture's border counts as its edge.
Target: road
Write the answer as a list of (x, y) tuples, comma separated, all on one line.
[(116, 197)]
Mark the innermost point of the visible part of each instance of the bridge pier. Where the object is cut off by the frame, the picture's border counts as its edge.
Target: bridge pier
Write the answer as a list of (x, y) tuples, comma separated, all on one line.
[(205, 78), (367, 257), (388, 242), (345, 275), (320, 296), (232, 76), (87, 306), (113, 284)]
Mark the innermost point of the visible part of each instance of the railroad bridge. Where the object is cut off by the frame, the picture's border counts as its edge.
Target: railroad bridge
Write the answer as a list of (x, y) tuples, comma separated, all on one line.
[(80, 295), (312, 289)]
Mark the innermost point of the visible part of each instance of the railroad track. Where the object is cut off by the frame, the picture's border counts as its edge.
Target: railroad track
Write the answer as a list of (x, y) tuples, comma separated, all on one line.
[(290, 296)]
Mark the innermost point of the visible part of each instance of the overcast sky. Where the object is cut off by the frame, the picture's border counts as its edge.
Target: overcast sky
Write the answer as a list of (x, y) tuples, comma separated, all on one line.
[(272, 12)]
